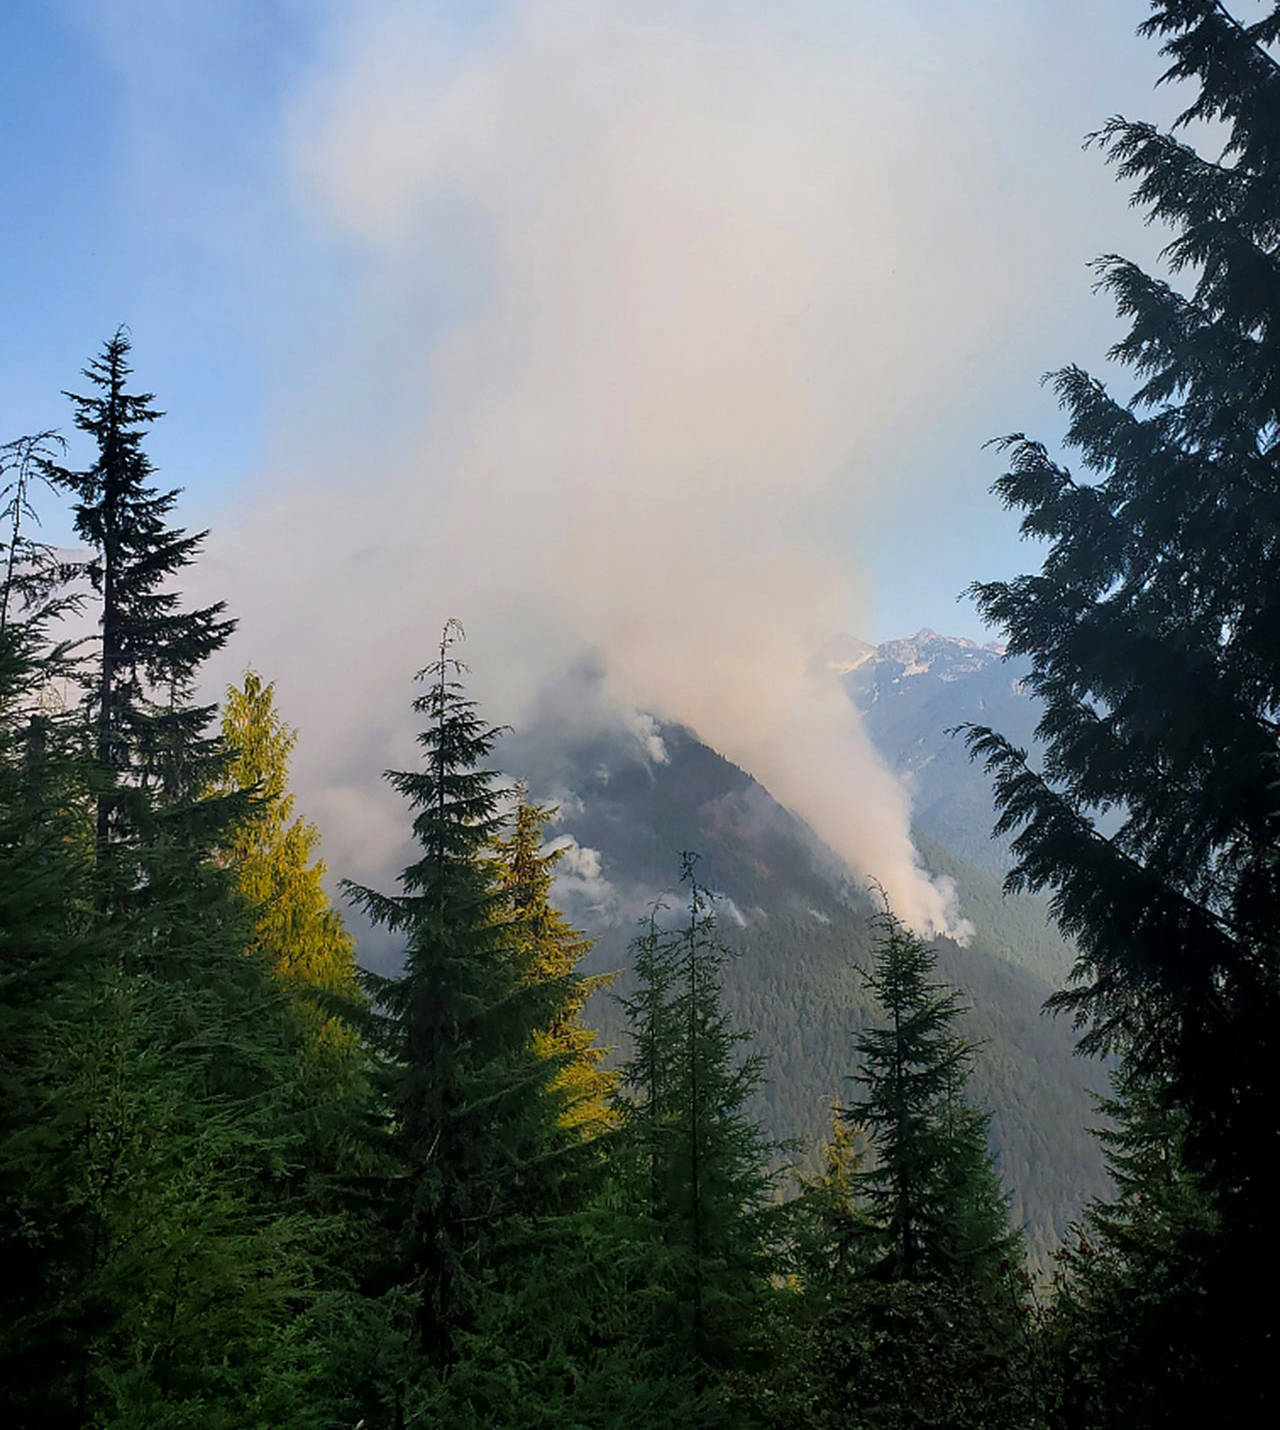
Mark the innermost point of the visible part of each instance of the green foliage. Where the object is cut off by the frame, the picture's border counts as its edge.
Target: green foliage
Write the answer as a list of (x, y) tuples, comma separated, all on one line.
[(148, 734), (1153, 631), (473, 1115), (834, 1226), (715, 1188), (695, 1166), (934, 1201), (272, 855), (45, 955), (549, 949), (1138, 1309), (209, 1217), (161, 1258), (909, 1304), (1157, 584), (189, 1267), (792, 979), (150, 1262)]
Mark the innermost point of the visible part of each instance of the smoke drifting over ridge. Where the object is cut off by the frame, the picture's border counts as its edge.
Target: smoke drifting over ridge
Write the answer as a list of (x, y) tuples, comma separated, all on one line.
[(695, 293)]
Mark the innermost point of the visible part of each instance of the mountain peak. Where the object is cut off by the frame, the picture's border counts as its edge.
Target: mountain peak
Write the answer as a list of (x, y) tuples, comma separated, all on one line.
[(844, 653), (928, 652)]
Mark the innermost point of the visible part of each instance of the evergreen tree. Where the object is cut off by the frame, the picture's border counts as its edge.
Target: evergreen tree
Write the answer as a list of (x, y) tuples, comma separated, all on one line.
[(29, 573), (161, 1268), (1133, 1321), (473, 1114), (934, 1200), (645, 1107), (911, 1307), (835, 1230), (337, 1158), (1153, 631), (149, 735), (152, 1275), (272, 854), (1153, 626), (817, 1329), (699, 1166), (44, 956), (568, 1337), (717, 1183), (550, 949), (189, 1270)]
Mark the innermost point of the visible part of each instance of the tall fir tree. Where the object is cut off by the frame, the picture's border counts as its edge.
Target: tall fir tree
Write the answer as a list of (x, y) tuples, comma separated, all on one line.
[(645, 1105), (1153, 632), (300, 937), (911, 1295), (700, 1167), (149, 732), (46, 955), (1133, 1322), (1158, 584), (145, 1052), (572, 1335), (936, 1208), (473, 1111)]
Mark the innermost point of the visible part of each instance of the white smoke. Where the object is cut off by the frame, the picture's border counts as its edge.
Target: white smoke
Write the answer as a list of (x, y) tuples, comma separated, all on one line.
[(684, 329), (580, 877), (639, 299)]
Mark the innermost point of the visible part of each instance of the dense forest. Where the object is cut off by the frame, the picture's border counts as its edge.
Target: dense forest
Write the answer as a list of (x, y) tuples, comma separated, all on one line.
[(802, 935), (247, 1182)]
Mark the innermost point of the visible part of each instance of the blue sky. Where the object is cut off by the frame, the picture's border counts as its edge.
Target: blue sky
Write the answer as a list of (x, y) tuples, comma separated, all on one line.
[(81, 254)]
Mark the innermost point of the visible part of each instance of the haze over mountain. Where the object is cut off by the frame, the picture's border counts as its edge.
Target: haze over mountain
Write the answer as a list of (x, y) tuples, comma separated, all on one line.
[(631, 796)]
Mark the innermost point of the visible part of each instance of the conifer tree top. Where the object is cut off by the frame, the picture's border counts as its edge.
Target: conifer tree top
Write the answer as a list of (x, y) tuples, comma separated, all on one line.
[(150, 733)]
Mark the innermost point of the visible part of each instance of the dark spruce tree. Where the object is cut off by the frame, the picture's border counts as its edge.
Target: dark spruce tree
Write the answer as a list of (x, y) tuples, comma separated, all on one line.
[(645, 1107), (911, 1311), (1153, 632), (700, 1191), (46, 955), (149, 733), (473, 1111), (936, 1208), (717, 1186), (1133, 1279), (588, 1335), (550, 1341)]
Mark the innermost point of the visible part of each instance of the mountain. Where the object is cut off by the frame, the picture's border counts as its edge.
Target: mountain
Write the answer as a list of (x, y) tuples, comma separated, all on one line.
[(630, 799), (910, 693)]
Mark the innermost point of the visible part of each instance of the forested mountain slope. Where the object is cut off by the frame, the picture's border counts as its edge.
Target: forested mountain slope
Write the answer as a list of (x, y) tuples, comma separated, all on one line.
[(801, 929)]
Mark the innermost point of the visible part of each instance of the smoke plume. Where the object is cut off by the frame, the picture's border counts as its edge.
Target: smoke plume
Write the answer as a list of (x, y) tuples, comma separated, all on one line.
[(639, 296)]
